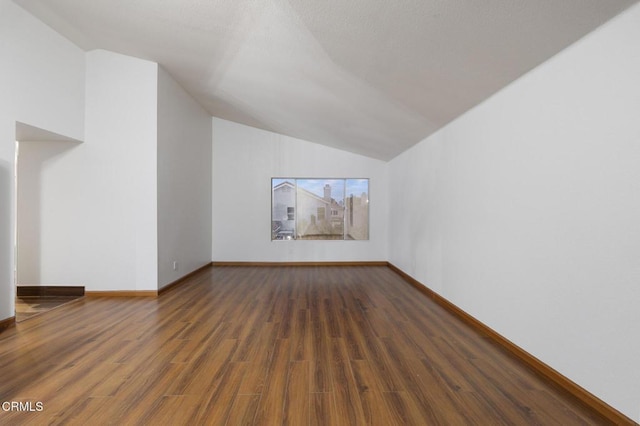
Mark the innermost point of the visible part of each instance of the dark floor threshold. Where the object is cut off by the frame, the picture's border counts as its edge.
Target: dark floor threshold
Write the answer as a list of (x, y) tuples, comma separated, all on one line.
[(49, 291)]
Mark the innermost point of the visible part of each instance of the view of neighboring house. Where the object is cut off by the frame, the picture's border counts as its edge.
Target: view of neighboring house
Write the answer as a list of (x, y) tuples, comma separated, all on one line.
[(283, 221), (317, 209), (319, 217)]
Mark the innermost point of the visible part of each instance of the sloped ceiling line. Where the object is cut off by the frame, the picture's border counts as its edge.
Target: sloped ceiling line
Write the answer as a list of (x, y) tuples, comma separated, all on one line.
[(371, 77)]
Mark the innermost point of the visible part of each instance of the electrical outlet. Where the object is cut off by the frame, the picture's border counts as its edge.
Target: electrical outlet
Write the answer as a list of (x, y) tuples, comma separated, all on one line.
[(175, 265)]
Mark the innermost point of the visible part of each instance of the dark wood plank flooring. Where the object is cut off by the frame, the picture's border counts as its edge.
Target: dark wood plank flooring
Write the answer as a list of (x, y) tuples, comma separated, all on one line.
[(271, 345)]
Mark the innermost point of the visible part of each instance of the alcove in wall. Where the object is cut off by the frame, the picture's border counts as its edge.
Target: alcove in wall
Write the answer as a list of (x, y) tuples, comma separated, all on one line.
[(41, 190)]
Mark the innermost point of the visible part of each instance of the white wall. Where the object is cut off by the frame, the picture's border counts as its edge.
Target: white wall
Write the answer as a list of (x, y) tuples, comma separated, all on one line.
[(525, 212), (184, 182), (101, 194), (112, 198), (113, 212), (42, 84), (244, 161)]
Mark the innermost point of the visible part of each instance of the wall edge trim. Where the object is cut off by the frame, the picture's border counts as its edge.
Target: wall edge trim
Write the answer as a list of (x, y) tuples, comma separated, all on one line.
[(6, 323), (330, 263), (531, 361), (122, 293)]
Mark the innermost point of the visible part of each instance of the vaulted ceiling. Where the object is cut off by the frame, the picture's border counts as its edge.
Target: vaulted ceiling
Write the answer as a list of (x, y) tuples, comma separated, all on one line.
[(372, 77)]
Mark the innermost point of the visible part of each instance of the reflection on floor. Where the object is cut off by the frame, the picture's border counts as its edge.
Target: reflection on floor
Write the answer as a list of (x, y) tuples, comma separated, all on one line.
[(30, 306)]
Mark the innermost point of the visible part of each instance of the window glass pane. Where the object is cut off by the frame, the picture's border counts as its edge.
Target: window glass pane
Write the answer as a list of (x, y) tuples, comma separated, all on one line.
[(357, 209), (320, 214), (283, 202)]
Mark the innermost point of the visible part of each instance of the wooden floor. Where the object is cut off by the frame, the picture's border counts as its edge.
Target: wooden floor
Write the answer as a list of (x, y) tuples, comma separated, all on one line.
[(270, 345), (30, 306)]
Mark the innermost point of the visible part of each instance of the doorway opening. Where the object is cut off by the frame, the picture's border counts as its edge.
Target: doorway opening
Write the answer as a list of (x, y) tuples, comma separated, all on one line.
[(41, 186)]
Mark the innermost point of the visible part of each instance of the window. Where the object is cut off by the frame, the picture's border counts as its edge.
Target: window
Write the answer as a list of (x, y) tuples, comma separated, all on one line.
[(319, 209)]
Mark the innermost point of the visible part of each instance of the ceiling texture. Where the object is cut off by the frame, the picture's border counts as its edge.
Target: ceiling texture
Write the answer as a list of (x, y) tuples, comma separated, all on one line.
[(373, 77)]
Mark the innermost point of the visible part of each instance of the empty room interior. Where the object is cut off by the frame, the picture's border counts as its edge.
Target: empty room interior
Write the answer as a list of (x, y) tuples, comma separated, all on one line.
[(295, 212)]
